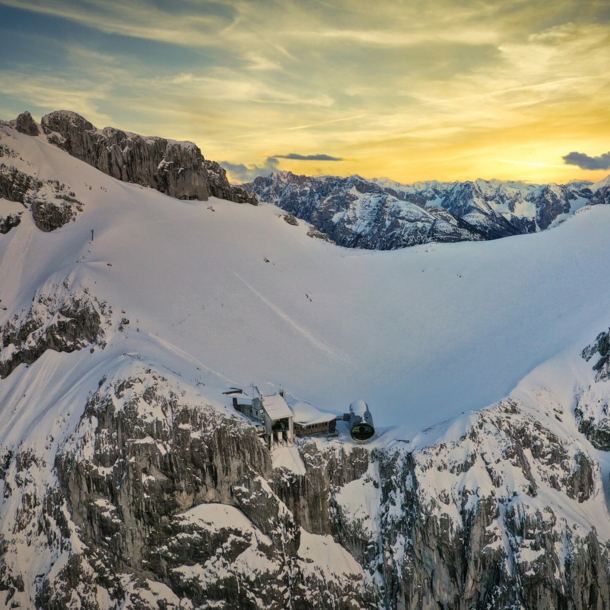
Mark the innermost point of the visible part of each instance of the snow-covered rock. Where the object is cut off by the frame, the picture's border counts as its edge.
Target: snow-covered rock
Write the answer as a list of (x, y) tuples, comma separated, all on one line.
[(383, 214), (357, 213)]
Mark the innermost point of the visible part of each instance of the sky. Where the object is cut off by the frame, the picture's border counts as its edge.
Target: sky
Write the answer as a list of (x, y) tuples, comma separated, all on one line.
[(410, 90)]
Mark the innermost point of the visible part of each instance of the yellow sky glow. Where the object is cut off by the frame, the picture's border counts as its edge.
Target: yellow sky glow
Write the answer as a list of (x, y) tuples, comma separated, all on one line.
[(443, 89)]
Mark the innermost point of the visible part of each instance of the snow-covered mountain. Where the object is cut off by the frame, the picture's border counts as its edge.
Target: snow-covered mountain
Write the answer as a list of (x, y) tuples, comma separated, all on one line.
[(127, 480), (382, 214)]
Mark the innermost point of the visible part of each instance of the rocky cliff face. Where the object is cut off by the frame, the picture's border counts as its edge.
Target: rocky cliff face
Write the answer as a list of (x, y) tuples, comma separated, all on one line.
[(472, 521), (158, 499), (592, 404), (175, 168), (26, 124), (381, 214)]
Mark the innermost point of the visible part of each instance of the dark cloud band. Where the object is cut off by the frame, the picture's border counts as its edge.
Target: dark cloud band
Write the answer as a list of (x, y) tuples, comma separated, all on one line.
[(298, 157), (586, 162)]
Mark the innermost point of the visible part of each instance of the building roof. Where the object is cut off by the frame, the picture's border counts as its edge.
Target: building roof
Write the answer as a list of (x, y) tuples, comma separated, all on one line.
[(276, 407), (307, 415)]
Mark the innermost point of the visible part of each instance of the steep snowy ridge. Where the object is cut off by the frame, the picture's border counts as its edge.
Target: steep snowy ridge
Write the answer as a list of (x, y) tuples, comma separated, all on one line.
[(127, 481), (383, 214)]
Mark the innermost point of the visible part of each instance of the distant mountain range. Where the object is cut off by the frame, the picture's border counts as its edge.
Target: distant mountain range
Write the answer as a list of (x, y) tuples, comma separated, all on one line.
[(382, 214)]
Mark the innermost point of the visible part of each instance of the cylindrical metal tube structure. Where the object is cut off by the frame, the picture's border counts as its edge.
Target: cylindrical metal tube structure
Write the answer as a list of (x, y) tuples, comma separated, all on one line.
[(360, 422)]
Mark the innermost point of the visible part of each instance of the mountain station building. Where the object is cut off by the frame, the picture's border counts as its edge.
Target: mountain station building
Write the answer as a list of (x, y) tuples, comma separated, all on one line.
[(272, 412)]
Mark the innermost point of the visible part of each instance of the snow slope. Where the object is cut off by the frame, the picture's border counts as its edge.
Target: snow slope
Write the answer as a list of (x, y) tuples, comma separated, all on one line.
[(421, 334)]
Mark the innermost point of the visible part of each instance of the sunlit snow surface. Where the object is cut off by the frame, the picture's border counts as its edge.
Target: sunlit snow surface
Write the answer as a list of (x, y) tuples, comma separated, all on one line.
[(227, 294)]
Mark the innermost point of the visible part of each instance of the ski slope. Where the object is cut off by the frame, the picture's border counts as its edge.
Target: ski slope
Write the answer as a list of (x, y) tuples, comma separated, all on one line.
[(223, 294)]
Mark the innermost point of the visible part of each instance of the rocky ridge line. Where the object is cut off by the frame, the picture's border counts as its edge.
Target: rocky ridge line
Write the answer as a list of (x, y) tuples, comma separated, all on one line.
[(177, 169)]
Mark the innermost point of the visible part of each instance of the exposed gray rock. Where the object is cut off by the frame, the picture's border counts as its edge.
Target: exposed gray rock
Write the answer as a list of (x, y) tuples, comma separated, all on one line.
[(310, 497), (177, 169), (7, 151), (600, 194), (191, 540), (16, 185), (174, 168), (58, 319), (176, 501), (9, 222), (221, 188), (24, 123), (551, 203), (459, 545), (290, 219), (601, 346), (49, 216), (313, 232), (142, 478), (592, 410), (52, 203)]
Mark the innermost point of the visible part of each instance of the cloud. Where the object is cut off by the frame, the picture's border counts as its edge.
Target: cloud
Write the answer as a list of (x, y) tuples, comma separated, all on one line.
[(238, 172), (586, 162), (241, 173), (297, 157)]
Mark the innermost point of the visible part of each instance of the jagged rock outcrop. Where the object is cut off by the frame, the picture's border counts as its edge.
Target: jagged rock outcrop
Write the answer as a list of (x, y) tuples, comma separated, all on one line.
[(59, 319), (25, 123), (382, 214), (177, 169), (174, 168), (601, 348), (9, 222), (221, 188), (310, 497), (472, 521), (16, 185), (551, 203), (600, 192), (52, 203)]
